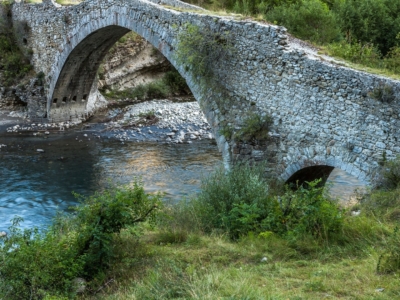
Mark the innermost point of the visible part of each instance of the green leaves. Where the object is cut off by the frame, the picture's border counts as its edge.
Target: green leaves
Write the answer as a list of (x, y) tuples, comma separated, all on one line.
[(34, 264), (201, 49)]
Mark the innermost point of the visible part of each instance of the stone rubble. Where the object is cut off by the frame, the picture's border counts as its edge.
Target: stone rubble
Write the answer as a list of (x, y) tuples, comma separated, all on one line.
[(177, 122)]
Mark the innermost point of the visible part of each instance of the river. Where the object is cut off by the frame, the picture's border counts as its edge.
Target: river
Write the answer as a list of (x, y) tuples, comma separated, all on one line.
[(34, 185)]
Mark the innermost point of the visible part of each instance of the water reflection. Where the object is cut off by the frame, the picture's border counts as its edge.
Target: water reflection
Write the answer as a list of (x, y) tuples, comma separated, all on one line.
[(34, 185)]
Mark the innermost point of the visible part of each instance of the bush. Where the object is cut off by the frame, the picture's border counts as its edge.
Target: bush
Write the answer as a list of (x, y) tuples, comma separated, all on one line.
[(200, 50), (307, 19), (390, 175), (366, 54), (14, 64), (370, 21), (233, 201), (306, 211), (172, 83), (389, 261), (239, 202), (255, 127), (35, 264)]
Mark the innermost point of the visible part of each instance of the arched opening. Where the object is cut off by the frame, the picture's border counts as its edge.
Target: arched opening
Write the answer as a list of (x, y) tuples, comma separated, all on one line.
[(342, 185), (93, 56), (79, 71), (309, 174)]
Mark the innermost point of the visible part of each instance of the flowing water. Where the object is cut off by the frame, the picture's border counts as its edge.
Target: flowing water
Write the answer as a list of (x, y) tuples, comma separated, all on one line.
[(34, 185)]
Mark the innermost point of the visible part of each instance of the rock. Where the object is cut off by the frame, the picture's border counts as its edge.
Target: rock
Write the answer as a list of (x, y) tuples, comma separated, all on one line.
[(46, 132), (264, 259), (3, 234), (79, 285), (40, 150)]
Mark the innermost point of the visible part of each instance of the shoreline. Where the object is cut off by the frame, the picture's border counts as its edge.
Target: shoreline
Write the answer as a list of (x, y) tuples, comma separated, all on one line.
[(162, 120)]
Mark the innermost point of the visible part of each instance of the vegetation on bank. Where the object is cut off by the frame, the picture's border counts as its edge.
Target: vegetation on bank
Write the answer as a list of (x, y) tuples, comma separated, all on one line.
[(241, 237), (14, 62), (171, 84)]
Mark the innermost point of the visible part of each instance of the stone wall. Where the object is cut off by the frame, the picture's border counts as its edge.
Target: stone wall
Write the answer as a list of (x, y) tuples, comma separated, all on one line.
[(323, 113)]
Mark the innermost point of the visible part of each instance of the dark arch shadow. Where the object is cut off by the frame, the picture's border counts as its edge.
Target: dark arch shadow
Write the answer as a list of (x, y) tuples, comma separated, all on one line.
[(309, 174), (77, 76)]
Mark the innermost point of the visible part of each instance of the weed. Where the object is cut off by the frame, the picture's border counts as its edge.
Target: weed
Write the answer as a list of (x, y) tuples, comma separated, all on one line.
[(383, 93), (200, 50), (389, 260), (255, 127)]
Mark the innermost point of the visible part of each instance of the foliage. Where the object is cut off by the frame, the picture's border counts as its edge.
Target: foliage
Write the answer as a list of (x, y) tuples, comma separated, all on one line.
[(370, 21), (240, 202), (366, 54), (389, 260), (390, 174), (307, 19), (200, 50), (14, 64), (383, 93), (306, 211), (255, 127), (226, 195), (171, 84), (34, 264)]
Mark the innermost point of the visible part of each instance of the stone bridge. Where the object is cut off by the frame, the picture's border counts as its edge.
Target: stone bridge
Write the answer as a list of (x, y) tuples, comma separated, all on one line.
[(324, 115)]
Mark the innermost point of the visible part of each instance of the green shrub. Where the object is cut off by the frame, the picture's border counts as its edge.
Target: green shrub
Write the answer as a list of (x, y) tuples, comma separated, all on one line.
[(227, 199), (239, 202), (14, 63), (175, 82), (172, 83), (200, 50), (306, 211), (366, 54), (389, 261), (255, 127), (35, 264), (307, 19), (370, 21), (383, 93), (390, 175)]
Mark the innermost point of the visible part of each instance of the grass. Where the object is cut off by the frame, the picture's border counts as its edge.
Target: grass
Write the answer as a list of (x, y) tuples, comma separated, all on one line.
[(366, 67), (213, 267)]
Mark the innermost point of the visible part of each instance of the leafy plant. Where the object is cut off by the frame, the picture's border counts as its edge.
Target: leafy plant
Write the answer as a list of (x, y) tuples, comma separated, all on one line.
[(389, 260), (14, 64), (35, 264), (255, 127), (307, 19), (383, 93), (201, 49)]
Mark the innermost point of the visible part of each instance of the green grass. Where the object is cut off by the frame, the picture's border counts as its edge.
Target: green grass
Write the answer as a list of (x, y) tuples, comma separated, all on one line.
[(213, 267)]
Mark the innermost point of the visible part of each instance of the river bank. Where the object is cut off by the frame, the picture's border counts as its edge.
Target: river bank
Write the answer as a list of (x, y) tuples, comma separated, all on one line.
[(163, 120)]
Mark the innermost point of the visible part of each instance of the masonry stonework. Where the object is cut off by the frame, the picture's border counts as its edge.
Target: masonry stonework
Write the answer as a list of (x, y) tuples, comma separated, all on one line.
[(324, 115)]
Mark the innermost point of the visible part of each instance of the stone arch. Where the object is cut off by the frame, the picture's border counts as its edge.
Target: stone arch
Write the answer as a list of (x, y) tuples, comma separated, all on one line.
[(88, 41), (77, 63), (320, 167)]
